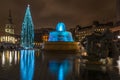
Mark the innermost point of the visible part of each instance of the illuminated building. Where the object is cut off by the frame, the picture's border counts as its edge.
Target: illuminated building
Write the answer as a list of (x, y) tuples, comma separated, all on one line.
[(116, 38), (116, 29), (7, 37), (81, 32), (45, 37), (41, 35)]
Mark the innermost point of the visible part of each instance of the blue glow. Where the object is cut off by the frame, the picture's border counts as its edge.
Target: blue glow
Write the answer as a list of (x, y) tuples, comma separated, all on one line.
[(62, 69), (53, 66), (27, 33), (61, 73), (27, 64), (60, 27), (60, 34)]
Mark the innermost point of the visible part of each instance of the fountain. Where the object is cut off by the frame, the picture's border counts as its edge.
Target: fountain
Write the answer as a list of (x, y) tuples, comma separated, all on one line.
[(60, 40), (27, 33), (60, 34)]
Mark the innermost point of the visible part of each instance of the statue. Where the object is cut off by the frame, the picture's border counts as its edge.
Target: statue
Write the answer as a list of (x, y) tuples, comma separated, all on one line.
[(92, 45), (100, 46)]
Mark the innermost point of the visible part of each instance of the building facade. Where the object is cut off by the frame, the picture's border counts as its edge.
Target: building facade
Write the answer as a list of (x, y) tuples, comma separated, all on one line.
[(41, 35), (7, 38), (81, 32)]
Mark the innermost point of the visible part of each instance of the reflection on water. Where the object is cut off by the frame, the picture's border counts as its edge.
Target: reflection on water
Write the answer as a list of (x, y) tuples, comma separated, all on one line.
[(27, 64), (32, 65), (61, 69), (118, 64), (65, 68), (3, 59), (9, 58)]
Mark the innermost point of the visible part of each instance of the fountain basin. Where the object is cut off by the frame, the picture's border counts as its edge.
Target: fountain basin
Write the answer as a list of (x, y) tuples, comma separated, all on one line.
[(61, 46)]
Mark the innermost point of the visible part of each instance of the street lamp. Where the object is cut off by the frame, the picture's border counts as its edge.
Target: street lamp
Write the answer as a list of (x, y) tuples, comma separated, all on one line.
[(118, 36)]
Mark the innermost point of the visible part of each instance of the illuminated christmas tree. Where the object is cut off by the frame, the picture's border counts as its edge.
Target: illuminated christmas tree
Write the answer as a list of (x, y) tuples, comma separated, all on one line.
[(27, 33)]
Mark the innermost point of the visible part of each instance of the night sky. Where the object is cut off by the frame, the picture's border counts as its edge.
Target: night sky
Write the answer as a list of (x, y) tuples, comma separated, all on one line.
[(47, 13)]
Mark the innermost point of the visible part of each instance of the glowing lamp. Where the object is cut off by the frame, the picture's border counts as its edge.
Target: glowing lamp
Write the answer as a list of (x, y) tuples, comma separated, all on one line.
[(118, 37)]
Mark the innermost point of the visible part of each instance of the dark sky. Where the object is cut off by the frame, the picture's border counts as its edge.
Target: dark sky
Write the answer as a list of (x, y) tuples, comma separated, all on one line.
[(46, 13)]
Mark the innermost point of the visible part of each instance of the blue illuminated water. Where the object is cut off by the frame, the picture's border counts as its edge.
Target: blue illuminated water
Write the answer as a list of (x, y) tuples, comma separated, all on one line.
[(61, 69), (36, 65), (27, 64)]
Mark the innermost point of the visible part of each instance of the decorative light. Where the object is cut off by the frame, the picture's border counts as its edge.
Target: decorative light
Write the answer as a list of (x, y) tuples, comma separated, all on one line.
[(27, 33), (118, 64), (60, 27), (119, 37)]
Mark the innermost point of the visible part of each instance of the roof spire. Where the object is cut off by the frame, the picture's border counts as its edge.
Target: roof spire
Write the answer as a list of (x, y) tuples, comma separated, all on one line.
[(10, 17)]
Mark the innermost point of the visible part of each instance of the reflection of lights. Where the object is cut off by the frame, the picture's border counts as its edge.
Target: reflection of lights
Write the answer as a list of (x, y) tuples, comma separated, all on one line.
[(119, 64), (61, 73), (27, 64), (7, 54), (3, 59), (77, 66), (15, 57), (18, 56), (10, 58), (53, 66), (63, 69)]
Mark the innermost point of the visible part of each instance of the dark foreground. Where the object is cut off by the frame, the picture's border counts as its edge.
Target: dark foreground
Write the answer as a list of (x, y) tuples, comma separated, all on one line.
[(35, 65)]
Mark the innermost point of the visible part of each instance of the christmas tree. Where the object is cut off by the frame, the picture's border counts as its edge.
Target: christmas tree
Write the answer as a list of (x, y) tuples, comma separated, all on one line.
[(27, 33)]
